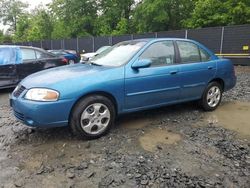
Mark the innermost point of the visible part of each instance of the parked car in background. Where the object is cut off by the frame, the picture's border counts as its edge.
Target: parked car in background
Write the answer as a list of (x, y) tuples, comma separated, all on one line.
[(128, 77), (17, 62), (71, 56), (88, 56)]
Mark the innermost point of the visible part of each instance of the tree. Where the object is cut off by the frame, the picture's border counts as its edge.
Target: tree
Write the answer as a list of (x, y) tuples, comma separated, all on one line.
[(114, 17), (22, 28), (10, 11), (239, 12), (77, 16), (121, 28), (209, 13), (159, 15), (1, 37), (40, 26)]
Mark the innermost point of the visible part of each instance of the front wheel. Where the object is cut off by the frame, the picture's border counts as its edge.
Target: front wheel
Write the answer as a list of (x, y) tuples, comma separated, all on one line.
[(212, 96), (92, 117), (71, 62)]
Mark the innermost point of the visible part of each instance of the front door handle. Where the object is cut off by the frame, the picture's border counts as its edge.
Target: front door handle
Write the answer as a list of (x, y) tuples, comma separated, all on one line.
[(173, 72)]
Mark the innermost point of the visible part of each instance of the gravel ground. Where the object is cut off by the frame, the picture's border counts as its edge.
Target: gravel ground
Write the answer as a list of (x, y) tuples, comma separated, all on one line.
[(175, 146)]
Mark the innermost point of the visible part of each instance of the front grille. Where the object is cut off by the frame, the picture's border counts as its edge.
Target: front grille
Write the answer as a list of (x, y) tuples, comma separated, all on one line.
[(19, 91), (19, 116)]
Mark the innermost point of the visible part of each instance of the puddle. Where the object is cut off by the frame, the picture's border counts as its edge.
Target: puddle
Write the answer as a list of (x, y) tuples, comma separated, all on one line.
[(134, 122), (151, 139), (232, 115)]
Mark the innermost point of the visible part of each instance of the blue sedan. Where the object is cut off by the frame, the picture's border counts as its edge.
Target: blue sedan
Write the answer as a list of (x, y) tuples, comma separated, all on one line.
[(128, 77)]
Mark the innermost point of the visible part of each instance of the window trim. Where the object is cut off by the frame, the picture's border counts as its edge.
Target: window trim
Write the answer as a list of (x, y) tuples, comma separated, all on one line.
[(199, 49), (28, 60), (175, 53)]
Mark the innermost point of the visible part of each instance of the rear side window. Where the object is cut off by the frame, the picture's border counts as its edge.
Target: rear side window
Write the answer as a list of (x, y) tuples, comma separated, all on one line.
[(28, 54), (42, 55), (189, 52), (160, 53), (204, 55)]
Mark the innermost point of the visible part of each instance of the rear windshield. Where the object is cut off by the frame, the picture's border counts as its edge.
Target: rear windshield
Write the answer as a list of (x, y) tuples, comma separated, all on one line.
[(10, 55)]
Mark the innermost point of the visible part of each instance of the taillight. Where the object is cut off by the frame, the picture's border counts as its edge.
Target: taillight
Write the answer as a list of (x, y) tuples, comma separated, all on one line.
[(64, 60)]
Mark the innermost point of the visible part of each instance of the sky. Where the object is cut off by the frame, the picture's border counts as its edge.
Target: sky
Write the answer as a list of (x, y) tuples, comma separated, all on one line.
[(32, 5)]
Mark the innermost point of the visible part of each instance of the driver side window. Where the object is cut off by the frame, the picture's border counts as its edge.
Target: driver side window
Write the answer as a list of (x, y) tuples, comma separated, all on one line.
[(160, 53)]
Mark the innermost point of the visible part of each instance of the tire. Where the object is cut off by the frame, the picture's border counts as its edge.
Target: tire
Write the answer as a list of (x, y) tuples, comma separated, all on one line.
[(71, 62), (92, 117), (211, 97)]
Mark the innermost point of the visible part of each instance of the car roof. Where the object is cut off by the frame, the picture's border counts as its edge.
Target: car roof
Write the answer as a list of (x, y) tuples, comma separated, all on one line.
[(17, 46), (159, 39)]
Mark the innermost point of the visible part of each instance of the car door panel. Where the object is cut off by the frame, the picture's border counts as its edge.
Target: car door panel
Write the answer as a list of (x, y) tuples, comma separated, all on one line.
[(151, 86), (196, 70), (194, 78), (8, 60), (29, 65), (154, 85), (8, 76), (27, 68)]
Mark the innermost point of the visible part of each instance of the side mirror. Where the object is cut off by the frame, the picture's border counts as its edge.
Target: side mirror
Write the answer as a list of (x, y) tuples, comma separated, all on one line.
[(83, 51), (142, 63)]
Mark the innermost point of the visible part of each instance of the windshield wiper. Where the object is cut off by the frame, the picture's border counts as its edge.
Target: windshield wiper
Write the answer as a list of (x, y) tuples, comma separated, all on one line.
[(93, 63)]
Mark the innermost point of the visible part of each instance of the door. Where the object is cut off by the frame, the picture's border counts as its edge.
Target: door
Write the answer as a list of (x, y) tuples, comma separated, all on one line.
[(8, 76), (196, 70), (154, 85), (30, 64)]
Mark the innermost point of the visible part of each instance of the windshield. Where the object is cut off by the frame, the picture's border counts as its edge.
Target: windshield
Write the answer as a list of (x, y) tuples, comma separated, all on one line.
[(100, 50), (118, 54)]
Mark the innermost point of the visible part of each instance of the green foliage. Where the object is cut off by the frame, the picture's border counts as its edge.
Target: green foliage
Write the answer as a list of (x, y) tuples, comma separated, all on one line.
[(78, 18), (10, 11), (1, 37), (5, 38), (41, 26), (121, 28), (159, 15), (23, 24), (209, 13)]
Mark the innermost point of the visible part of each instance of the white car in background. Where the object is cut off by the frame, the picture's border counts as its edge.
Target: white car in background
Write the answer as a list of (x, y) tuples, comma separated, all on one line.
[(89, 56)]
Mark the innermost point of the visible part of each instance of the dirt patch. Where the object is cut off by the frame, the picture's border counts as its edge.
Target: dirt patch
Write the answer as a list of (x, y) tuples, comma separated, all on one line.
[(232, 115), (152, 139), (134, 122)]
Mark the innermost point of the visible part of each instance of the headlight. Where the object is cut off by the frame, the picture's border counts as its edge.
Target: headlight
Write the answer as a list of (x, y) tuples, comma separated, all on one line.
[(40, 94)]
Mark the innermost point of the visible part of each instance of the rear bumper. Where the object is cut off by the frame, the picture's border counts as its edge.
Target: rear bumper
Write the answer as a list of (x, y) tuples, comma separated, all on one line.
[(41, 114), (230, 83)]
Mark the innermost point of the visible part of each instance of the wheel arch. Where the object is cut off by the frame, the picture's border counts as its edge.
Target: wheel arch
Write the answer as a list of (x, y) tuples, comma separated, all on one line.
[(101, 93), (220, 81)]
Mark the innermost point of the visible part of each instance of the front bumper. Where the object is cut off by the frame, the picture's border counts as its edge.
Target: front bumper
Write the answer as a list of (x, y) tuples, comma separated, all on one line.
[(41, 114)]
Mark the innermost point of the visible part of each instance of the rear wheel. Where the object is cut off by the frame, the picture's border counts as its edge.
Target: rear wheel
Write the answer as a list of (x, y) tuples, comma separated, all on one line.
[(92, 117), (212, 96)]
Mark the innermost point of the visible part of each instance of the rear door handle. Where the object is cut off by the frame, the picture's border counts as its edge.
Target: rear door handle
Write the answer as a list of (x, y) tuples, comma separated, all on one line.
[(173, 72), (210, 68)]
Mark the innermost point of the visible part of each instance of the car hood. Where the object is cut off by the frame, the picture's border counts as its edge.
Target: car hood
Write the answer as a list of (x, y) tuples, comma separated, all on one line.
[(88, 55), (52, 77)]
